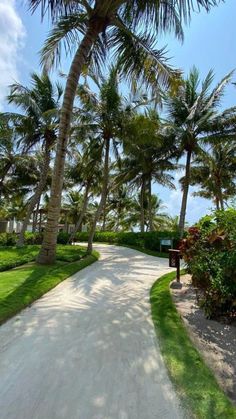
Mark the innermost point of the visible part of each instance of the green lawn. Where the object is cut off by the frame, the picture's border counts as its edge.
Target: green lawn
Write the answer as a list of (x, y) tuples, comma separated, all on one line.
[(21, 286), (194, 381), (11, 257)]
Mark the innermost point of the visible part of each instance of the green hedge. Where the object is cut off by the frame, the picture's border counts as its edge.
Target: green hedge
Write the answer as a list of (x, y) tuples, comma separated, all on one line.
[(10, 239), (149, 240)]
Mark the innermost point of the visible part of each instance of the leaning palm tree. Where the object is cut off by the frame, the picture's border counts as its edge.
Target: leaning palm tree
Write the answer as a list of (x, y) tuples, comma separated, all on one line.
[(191, 112), (37, 125), (128, 29)]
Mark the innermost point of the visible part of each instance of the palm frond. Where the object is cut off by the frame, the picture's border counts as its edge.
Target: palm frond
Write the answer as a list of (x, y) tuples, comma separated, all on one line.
[(65, 33), (138, 57)]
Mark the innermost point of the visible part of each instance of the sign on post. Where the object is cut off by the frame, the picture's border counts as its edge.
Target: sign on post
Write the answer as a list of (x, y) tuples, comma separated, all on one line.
[(166, 242), (174, 261)]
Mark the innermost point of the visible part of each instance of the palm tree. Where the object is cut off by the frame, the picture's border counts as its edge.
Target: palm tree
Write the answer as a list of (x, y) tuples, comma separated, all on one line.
[(148, 158), (191, 111), (8, 155), (86, 172), (120, 204), (157, 219), (102, 115), (37, 125), (214, 171), (127, 29)]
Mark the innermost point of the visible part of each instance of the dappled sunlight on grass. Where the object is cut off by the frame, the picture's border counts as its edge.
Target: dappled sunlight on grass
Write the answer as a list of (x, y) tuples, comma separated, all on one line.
[(21, 286)]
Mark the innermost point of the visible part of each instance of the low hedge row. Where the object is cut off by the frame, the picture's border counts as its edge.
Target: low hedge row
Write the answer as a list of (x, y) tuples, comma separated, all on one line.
[(10, 239), (149, 240)]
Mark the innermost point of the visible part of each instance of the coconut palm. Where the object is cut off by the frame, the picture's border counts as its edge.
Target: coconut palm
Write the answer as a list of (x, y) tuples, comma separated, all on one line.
[(128, 29), (148, 159), (191, 112), (102, 114), (214, 170), (86, 172), (8, 155), (36, 126)]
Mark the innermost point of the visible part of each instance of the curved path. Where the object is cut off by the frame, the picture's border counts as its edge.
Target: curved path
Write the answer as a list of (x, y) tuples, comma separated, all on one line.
[(87, 349)]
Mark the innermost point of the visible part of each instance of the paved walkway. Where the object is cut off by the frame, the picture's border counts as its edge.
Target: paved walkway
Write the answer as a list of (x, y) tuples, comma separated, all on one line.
[(87, 349)]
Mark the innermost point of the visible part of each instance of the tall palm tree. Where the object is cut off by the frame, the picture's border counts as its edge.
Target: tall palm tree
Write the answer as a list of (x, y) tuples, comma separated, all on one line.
[(120, 203), (102, 116), (214, 170), (86, 172), (147, 159), (191, 111), (36, 126), (128, 29)]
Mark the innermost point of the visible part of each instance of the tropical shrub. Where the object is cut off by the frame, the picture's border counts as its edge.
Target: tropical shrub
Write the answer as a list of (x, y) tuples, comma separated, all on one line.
[(209, 251), (149, 240)]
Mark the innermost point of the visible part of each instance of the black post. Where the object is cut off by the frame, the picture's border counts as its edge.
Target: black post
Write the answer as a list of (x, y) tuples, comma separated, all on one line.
[(178, 270)]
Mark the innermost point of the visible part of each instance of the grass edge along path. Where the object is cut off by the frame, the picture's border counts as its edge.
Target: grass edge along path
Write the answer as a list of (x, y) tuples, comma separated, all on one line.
[(194, 381), (34, 288)]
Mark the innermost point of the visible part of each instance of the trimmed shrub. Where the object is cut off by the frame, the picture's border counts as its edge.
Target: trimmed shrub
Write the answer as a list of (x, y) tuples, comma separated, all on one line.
[(63, 237), (8, 239), (149, 240)]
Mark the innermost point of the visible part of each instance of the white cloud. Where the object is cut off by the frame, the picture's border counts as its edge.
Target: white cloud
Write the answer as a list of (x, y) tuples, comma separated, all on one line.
[(12, 33)]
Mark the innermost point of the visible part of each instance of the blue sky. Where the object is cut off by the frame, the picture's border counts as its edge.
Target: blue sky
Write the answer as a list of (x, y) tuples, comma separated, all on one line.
[(210, 42)]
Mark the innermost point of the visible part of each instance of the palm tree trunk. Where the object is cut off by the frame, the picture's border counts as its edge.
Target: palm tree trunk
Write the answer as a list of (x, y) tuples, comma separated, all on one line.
[(103, 195), (36, 197), (48, 250), (142, 217), (104, 219), (81, 217), (217, 201), (222, 207), (185, 194), (35, 217), (151, 228)]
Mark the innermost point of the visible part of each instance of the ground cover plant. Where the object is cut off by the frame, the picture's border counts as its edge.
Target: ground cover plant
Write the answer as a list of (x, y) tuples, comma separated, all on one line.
[(209, 251), (194, 381), (21, 286)]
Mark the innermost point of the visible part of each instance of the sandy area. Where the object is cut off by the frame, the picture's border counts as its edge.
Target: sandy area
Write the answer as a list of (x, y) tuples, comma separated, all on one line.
[(216, 341)]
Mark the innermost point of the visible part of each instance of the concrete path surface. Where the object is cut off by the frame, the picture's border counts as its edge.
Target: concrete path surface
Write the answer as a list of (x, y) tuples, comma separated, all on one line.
[(87, 349)]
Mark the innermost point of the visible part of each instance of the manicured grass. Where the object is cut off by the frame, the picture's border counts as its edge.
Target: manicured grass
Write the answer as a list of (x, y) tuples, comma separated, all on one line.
[(11, 257), (21, 286), (194, 381)]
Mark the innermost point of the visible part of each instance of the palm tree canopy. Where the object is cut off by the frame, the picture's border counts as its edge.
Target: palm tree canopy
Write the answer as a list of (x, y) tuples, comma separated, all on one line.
[(40, 109), (194, 108), (126, 28)]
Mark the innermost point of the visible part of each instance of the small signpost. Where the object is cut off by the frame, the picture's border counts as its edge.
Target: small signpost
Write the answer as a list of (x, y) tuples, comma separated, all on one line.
[(174, 262), (166, 242)]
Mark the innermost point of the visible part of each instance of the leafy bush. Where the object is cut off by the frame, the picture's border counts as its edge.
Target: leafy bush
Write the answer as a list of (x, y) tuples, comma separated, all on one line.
[(33, 238), (209, 251), (149, 240), (63, 237), (8, 239)]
